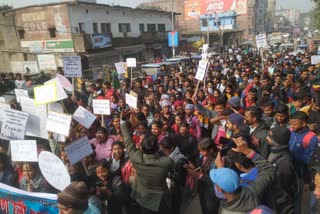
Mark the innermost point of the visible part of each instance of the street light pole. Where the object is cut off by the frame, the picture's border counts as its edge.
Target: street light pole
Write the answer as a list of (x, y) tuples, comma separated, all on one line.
[(172, 27)]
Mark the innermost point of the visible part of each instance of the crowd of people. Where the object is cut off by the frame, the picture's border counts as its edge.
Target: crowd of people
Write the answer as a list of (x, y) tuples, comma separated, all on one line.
[(243, 140)]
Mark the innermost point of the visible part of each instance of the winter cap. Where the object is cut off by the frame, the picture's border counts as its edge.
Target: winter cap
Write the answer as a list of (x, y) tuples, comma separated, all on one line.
[(189, 107), (165, 103), (236, 118), (76, 196), (280, 135), (227, 179), (178, 103), (234, 102), (261, 210)]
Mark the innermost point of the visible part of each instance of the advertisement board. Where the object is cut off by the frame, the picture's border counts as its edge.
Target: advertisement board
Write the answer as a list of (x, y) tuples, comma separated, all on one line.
[(101, 40), (194, 8)]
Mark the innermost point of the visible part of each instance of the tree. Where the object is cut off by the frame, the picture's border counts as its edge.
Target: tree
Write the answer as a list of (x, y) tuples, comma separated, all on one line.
[(149, 7), (5, 7), (316, 14)]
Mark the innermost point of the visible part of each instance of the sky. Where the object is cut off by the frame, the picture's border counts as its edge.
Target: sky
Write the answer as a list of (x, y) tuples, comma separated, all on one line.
[(303, 5)]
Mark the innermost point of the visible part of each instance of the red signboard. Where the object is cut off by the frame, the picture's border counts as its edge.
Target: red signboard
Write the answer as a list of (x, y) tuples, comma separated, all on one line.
[(195, 8)]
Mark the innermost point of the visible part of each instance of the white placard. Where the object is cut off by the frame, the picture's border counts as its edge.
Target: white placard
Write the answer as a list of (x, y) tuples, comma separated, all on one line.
[(57, 107), (13, 125), (37, 118), (2, 100), (201, 72), (66, 84), (120, 67), (3, 106), (58, 123), (132, 101), (78, 150), (30, 67), (84, 117), (101, 107), (60, 91), (131, 62), (45, 94), (261, 41), (24, 150), (16, 66), (47, 62), (53, 170), (21, 94), (315, 59), (72, 66)]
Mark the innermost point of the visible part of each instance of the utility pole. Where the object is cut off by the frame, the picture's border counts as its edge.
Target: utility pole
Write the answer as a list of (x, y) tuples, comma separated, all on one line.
[(172, 26), (208, 31)]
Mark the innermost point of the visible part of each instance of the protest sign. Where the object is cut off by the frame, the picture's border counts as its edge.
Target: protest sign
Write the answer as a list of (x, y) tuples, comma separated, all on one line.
[(201, 72), (2, 100), (66, 84), (30, 67), (132, 100), (24, 150), (315, 59), (45, 94), (78, 150), (131, 62), (3, 106), (37, 118), (61, 94), (53, 170), (21, 94), (84, 117), (72, 66), (13, 124), (261, 41), (14, 201), (101, 107), (58, 123), (120, 67), (57, 107), (47, 62)]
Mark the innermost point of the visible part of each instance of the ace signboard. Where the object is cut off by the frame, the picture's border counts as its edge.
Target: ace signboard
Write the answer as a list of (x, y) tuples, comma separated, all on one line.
[(72, 66)]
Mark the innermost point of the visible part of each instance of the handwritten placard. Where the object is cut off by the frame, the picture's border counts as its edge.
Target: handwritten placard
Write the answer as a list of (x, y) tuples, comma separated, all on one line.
[(61, 94), (3, 106), (72, 66), (78, 150), (14, 124), (21, 94), (120, 67), (24, 150), (315, 59), (101, 107), (131, 62), (37, 118), (84, 117), (58, 123), (53, 170), (201, 70), (66, 84), (131, 100), (45, 94)]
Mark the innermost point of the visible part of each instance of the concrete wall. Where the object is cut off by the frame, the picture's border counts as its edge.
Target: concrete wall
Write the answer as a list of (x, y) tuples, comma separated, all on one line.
[(89, 14)]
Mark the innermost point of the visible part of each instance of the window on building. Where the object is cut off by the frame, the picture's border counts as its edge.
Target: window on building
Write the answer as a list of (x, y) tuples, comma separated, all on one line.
[(52, 32), (82, 28), (151, 27), (124, 27), (21, 34), (105, 28), (141, 28), (95, 27), (161, 27), (204, 23)]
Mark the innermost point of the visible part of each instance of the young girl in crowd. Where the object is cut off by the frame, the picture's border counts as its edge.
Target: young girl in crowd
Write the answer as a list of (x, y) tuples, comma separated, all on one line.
[(32, 180)]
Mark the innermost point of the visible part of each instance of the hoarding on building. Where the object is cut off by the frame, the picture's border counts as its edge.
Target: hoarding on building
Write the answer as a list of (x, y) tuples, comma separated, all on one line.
[(48, 46), (101, 40), (194, 8), (37, 22)]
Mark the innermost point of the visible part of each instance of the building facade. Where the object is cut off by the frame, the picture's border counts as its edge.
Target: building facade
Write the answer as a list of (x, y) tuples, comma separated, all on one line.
[(101, 34)]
